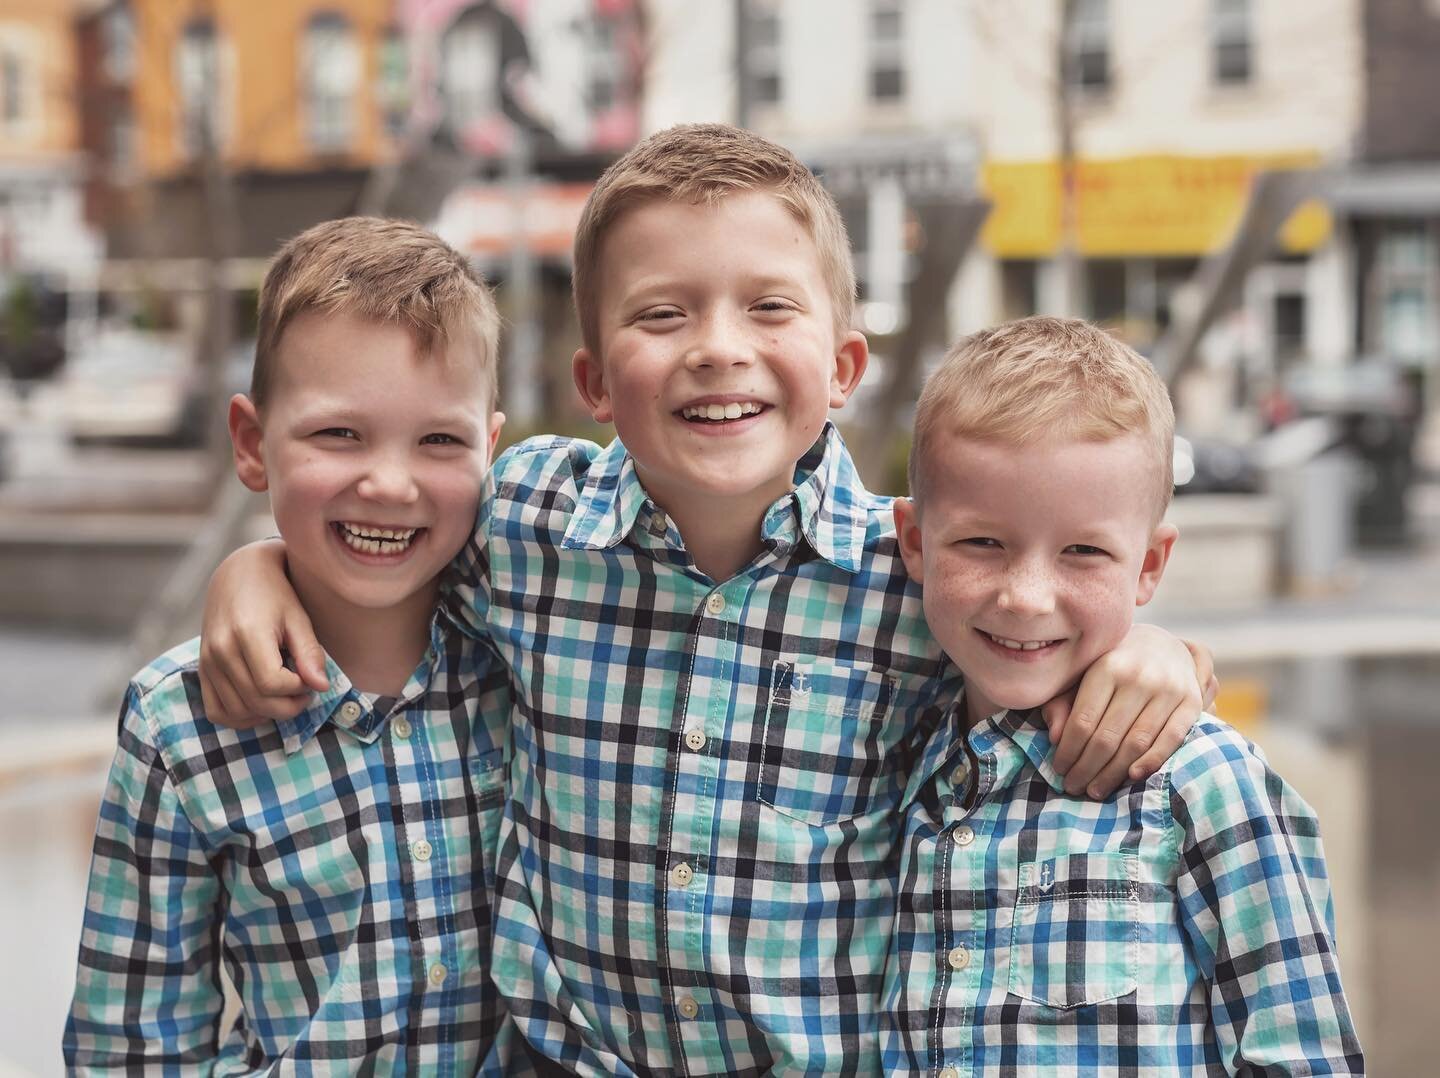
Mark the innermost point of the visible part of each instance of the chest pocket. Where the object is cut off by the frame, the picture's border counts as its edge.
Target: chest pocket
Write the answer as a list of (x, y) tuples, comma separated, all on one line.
[(487, 776), (827, 745), (1076, 931)]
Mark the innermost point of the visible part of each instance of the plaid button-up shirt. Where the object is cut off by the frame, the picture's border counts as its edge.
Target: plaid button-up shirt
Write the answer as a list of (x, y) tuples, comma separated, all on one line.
[(697, 860), (1181, 926), (338, 866)]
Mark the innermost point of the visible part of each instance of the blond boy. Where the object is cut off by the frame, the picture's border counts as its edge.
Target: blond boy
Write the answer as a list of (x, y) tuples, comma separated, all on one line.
[(1182, 925), (330, 865), (720, 665)]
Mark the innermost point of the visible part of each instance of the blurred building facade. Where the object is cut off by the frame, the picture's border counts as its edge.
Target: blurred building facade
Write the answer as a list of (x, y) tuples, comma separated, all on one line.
[(42, 227)]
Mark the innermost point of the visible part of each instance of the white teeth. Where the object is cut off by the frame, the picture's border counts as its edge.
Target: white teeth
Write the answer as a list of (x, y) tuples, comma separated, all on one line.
[(1020, 645), (376, 540), (717, 412)]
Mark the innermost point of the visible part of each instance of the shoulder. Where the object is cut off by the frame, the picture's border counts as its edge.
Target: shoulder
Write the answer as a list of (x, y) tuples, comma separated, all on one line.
[(164, 708), (1220, 781), (544, 460)]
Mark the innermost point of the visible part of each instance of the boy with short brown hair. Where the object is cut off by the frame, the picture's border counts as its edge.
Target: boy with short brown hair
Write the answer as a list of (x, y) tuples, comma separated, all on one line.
[(332, 865), (1182, 924), (721, 668)]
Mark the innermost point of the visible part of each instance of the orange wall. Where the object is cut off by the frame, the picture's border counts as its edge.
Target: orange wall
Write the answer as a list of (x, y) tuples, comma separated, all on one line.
[(263, 39)]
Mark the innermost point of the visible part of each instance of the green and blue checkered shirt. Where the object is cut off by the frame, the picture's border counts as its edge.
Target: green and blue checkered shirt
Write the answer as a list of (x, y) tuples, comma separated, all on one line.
[(337, 867), (1181, 926), (697, 859)]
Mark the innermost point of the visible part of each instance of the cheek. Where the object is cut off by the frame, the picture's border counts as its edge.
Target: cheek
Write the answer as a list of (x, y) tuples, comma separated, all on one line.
[(1102, 600)]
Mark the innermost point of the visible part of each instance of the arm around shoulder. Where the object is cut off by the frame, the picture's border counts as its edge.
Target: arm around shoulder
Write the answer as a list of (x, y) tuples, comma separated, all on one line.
[(1254, 902)]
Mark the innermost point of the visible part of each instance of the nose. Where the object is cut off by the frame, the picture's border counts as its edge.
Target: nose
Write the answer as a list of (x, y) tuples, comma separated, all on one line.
[(1027, 591), (721, 341), (388, 479)]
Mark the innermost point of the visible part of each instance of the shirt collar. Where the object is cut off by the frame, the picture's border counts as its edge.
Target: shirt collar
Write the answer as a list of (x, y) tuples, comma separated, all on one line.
[(348, 709), (1026, 731), (830, 502), (609, 503)]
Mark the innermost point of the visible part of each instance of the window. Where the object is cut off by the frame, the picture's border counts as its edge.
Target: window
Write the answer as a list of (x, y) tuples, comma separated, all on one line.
[(393, 89), (12, 90), (887, 58), (198, 78), (1230, 44), (602, 58), (470, 71), (762, 52), (1087, 45), (330, 74), (1404, 284), (118, 38), (121, 141)]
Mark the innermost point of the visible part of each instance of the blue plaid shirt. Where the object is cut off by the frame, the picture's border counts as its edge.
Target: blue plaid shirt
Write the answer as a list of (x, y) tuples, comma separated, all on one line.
[(697, 859), (1182, 926), (337, 866)]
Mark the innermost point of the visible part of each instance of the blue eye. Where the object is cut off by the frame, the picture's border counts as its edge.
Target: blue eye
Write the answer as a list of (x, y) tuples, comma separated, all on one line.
[(338, 432), (1085, 550), (983, 542), (440, 439)]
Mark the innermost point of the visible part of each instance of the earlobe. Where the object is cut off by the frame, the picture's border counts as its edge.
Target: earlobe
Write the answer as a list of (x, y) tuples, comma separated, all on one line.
[(851, 359), (243, 420), (909, 538), (1157, 557), (589, 378)]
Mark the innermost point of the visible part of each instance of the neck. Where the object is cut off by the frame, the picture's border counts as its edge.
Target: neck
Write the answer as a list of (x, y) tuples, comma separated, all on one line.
[(377, 649), (721, 539)]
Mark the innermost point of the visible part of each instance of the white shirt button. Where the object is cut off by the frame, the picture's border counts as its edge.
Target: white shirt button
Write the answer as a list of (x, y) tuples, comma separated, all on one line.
[(949, 1072), (658, 525), (681, 875), (688, 1007), (401, 727), (349, 711), (438, 973), (695, 740), (421, 850), (961, 774), (958, 958), (963, 835), (715, 603)]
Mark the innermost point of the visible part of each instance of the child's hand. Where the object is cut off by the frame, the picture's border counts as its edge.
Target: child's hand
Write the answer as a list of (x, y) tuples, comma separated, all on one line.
[(251, 613), (1132, 710)]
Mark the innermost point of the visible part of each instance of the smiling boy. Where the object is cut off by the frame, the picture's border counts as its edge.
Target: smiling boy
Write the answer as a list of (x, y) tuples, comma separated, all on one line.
[(332, 865), (721, 668), (1182, 925)]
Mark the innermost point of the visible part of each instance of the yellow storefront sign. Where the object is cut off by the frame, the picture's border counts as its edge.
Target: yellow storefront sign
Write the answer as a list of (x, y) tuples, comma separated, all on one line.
[(1151, 206)]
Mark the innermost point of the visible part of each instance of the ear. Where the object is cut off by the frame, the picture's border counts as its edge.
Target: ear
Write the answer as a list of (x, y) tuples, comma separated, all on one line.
[(1157, 556), (907, 533), (245, 434), (589, 378), (497, 420), (851, 359)]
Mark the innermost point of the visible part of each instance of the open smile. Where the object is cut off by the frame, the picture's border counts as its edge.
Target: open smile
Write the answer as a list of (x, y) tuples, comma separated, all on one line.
[(376, 542), (707, 412), (1020, 650)]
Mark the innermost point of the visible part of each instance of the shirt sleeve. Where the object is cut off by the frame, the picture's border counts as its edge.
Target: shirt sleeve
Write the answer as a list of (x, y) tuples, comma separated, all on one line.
[(467, 581), (148, 986), (1254, 899)]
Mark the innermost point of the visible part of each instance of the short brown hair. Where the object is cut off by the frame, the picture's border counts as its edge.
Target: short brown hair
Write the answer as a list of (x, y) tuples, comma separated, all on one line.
[(393, 272), (702, 163), (1022, 380)]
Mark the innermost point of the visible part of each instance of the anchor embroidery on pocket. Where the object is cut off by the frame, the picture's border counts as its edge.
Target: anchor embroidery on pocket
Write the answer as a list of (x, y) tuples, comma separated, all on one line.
[(1047, 877)]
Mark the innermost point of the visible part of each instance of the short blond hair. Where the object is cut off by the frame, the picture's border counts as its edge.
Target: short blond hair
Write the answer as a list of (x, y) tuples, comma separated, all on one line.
[(702, 163), (1023, 380), (393, 272)]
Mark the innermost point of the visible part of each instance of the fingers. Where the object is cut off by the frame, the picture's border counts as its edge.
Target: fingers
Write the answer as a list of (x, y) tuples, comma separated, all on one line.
[(309, 656), (1204, 661), (1055, 713), (1090, 701), (1176, 729), (1132, 745), (264, 687)]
